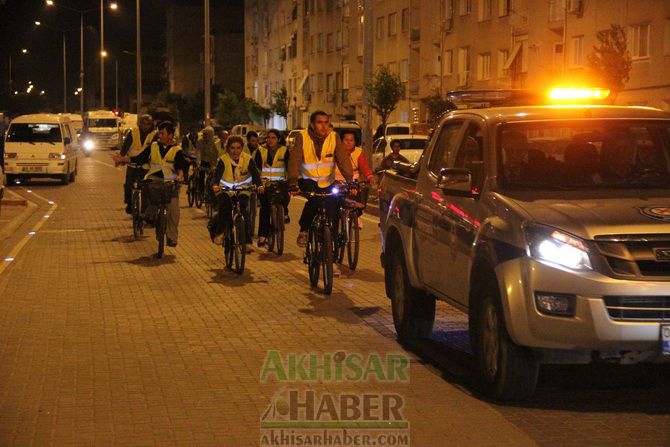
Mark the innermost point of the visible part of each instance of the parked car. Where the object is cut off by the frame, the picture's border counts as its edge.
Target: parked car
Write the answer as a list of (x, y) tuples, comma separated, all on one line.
[(42, 145), (411, 147), (548, 226)]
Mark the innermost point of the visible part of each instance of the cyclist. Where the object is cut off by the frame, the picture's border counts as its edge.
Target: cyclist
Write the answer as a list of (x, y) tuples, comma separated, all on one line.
[(234, 168), (316, 152), (252, 143), (137, 138), (167, 163), (359, 163), (273, 159), (207, 153)]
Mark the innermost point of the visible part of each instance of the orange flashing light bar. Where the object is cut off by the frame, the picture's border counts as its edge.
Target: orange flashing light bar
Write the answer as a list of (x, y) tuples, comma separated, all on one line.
[(564, 94)]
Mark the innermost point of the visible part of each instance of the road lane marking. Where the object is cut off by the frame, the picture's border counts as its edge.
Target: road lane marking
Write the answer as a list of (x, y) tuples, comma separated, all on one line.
[(103, 163), (11, 257)]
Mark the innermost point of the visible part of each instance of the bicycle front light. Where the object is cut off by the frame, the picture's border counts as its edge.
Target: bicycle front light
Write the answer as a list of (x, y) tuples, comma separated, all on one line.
[(335, 190), (554, 246)]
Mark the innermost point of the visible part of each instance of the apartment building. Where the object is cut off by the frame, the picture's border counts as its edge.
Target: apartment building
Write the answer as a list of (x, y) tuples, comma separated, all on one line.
[(315, 49), (185, 45)]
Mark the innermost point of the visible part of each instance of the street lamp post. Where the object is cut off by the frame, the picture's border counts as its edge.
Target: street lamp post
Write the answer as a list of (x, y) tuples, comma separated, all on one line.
[(138, 60), (102, 54), (208, 105)]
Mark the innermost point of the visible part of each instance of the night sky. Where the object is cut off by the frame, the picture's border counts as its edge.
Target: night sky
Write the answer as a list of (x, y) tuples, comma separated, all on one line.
[(43, 65)]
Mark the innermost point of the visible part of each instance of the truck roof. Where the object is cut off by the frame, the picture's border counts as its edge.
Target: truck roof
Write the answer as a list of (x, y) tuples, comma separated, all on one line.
[(562, 112)]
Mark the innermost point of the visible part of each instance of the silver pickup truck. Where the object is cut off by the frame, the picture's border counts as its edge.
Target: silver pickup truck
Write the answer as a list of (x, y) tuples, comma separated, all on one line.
[(548, 225)]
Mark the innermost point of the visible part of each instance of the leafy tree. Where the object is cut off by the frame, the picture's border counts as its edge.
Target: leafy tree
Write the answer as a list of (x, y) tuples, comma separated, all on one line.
[(230, 109), (257, 112), (385, 89), (280, 102), (436, 106), (610, 61)]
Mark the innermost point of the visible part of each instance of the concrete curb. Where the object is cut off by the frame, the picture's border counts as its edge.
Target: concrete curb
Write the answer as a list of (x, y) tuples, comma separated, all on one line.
[(19, 219)]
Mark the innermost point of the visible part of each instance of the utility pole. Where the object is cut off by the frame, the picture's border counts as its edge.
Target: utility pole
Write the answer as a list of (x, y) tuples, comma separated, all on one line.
[(81, 64), (64, 76), (102, 54), (138, 51), (368, 52), (208, 99)]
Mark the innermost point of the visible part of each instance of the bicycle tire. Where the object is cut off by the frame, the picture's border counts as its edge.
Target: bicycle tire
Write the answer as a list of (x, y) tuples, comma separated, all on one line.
[(279, 228), (272, 231), (340, 239), (228, 253), (137, 216), (192, 186), (313, 257), (161, 226), (353, 240), (253, 208), (327, 260), (240, 244)]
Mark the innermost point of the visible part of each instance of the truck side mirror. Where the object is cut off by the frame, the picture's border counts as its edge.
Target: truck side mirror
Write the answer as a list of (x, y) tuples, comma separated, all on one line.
[(456, 182)]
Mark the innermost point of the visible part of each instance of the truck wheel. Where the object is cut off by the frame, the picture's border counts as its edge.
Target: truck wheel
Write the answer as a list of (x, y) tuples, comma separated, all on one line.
[(507, 371), (413, 310), (65, 179)]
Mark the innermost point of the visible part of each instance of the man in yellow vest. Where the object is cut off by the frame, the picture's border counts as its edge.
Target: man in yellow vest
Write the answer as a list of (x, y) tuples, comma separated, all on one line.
[(312, 162), (235, 168), (136, 140), (273, 160), (252, 143), (167, 163)]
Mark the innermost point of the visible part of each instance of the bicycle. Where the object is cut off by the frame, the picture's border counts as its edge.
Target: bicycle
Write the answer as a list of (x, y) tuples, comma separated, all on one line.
[(275, 239), (193, 189), (348, 227), (166, 190), (319, 250), (235, 232), (136, 210), (208, 196)]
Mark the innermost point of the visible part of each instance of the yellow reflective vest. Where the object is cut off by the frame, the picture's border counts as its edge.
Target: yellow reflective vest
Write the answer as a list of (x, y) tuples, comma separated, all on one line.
[(236, 173), (274, 169), (137, 144), (321, 170), (164, 164), (355, 154)]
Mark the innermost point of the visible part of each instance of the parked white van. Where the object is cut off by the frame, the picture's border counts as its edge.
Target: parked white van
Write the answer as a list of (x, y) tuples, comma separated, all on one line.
[(103, 129), (240, 130), (41, 145)]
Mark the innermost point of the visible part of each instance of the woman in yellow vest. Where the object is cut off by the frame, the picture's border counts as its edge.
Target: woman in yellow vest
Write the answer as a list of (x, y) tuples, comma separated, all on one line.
[(235, 168), (273, 158)]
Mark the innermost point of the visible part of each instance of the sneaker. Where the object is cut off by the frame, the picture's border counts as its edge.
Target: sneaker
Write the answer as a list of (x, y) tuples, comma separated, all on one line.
[(261, 241), (218, 239), (171, 243), (336, 269), (287, 219), (250, 248), (302, 239)]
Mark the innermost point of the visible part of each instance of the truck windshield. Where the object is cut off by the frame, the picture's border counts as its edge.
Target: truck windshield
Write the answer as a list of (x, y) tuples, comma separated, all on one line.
[(397, 130), (584, 154), (411, 143), (34, 133), (101, 122)]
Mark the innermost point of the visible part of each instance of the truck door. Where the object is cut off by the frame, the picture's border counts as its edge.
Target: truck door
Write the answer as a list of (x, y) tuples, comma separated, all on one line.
[(459, 216), (431, 249)]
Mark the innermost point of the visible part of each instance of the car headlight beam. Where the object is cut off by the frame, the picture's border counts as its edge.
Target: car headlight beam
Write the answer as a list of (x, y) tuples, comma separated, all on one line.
[(557, 247)]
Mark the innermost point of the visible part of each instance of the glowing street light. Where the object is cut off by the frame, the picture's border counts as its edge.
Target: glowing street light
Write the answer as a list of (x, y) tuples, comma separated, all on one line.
[(24, 50), (103, 53)]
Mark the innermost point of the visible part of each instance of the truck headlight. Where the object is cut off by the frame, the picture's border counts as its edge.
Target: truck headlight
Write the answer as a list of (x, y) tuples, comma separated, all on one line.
[(557, 247), (89, 145), (57, 156)]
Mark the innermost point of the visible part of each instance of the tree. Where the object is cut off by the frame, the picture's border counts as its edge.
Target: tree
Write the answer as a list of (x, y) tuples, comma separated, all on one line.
[(230, 109), (385, 89), (436, 106), (280, 103), (610, 61)]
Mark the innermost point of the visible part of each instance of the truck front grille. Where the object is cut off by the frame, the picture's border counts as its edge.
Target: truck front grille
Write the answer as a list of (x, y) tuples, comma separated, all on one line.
[(638, 308), (641, 257)]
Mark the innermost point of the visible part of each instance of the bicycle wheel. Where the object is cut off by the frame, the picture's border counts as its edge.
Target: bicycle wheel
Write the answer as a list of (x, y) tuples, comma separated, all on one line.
[(228, 252), (313, 257), (138, 223), (340, 239), (279, 227), (240, 245), (253, 208), (326, 252), (198, 196), (161, 227), (272, 230), (354, 241), (192, 187)]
